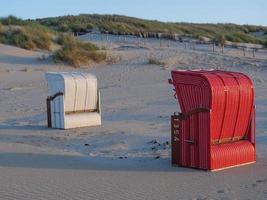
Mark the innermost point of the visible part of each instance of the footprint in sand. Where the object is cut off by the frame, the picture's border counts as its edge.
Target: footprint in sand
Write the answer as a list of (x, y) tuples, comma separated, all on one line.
[(261, 180), (25, 70), (223, 191), (220, 191), (254, 185), (201, 198)]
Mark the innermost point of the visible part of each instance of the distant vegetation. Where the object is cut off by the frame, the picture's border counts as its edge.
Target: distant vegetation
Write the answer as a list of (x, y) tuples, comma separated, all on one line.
[(49, 32), (116, 24), (12, 20)]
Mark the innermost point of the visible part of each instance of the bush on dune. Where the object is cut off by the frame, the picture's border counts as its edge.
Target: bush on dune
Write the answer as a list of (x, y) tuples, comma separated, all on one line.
[(12, 20), (77, 53), (17, 37), (219, 39), (28, 37), (41, 37)]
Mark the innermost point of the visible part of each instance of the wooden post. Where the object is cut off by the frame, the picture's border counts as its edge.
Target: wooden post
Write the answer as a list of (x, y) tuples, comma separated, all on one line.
[(48, 107), (222, 48), (244, 52), (185, 46), (253, 52)]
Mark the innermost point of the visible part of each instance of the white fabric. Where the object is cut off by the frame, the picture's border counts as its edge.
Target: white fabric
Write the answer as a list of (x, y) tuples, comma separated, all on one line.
[(80, 95)]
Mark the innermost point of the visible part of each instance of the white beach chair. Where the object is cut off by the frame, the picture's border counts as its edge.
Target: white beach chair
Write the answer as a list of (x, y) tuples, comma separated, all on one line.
[(73, 101)]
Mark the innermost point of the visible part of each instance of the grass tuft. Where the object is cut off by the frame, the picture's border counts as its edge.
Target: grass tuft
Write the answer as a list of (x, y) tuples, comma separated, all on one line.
[(154, 61)]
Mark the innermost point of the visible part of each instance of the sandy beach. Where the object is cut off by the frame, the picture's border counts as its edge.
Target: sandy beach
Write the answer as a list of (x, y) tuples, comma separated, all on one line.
[(128, 157)]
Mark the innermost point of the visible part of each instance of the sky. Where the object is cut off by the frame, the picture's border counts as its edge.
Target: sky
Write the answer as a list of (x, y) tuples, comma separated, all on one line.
[(197, 11)]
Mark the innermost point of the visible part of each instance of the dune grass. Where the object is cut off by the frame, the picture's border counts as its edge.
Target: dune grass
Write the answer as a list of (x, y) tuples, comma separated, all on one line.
[(17, 37), (117, 24), (77, 53), (12, 20), (32, 37)]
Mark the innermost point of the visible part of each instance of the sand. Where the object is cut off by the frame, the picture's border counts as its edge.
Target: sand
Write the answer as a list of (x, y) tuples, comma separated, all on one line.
[(121, 159)]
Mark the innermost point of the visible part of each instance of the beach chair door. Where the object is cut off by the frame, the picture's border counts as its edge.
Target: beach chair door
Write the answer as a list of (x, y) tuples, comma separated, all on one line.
[(184, 140)]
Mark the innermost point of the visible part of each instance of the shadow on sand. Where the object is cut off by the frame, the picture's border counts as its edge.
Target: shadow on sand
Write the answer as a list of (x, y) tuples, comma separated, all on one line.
[(80, 162)]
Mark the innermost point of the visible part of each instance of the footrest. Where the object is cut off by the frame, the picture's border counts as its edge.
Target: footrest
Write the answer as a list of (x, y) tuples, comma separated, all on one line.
[(232, 154)]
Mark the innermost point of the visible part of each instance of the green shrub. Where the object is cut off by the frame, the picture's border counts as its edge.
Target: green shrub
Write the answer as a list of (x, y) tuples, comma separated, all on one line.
[(77, 53), (220, 40), (63, 27), (30, 37), (40, 36), (1, 27), (12, 20), (19, 38)]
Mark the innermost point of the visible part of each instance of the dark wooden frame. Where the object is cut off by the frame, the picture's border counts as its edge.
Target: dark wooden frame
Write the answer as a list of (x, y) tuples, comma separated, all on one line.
[(48, 106)]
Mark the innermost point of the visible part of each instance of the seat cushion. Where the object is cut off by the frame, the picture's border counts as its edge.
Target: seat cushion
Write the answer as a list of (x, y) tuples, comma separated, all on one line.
[(75, 120), (231, 154)]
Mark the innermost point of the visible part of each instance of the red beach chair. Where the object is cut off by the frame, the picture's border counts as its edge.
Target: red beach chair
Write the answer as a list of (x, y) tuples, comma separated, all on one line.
[(216, 127)]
